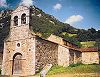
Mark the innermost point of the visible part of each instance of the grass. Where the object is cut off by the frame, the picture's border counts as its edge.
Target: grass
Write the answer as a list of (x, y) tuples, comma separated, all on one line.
[(88, 44), (75, 68)]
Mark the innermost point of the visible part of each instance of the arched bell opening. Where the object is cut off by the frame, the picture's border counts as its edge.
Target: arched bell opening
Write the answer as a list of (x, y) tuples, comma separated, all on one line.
[(23, 19)]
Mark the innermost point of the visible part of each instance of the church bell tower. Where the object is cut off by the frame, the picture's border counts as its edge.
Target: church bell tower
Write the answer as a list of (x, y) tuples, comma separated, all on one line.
[(19, 46)]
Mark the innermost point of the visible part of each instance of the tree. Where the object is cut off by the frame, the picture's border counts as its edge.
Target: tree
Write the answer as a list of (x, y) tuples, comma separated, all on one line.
[(92, 30)]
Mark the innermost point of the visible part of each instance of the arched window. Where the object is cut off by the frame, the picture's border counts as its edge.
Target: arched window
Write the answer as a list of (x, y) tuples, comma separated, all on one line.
[(15, 20), (23, 19)]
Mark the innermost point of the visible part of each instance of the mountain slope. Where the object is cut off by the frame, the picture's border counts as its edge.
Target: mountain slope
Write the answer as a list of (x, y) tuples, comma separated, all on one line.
[(44, 25)]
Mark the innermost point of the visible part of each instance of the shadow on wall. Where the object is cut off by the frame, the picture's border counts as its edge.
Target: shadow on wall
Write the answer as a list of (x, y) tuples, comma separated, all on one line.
[(99, 57), (1, 58)]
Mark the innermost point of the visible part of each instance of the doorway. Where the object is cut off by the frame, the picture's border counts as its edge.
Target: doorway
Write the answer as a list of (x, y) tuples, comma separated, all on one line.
[(17, 64)]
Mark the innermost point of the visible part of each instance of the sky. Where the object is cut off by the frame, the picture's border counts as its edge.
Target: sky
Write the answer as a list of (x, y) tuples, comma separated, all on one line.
[(83, 14)]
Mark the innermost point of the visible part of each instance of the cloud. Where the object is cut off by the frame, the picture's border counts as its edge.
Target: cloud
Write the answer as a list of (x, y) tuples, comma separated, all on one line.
[(3, 3), (74, 19), (58, 6), (27, 2)]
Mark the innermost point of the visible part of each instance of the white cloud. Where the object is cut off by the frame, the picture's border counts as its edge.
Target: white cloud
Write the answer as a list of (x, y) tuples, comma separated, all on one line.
[(27, 2), (3, 3), (74, 19), (58, 6)]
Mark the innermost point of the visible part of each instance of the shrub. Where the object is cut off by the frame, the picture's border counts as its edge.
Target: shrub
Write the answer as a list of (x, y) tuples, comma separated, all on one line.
[(75, 65)]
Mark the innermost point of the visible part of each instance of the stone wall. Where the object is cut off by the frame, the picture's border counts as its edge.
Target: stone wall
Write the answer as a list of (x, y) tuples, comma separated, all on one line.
[(1, 58), (46, 52), (90, 57), (75, 56), (27, 50), (71, 57), (63, 56), (78, 57), (56, 39), (19, 41)]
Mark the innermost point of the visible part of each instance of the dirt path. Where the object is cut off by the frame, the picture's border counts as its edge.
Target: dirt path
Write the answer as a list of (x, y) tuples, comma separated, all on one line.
[(76, 75), (65, 75)]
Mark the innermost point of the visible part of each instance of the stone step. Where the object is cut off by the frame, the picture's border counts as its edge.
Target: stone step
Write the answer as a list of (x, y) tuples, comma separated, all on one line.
[(45, 70)]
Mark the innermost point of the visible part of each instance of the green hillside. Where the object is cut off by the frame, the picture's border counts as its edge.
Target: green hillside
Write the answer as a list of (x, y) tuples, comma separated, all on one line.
[(44, 25)]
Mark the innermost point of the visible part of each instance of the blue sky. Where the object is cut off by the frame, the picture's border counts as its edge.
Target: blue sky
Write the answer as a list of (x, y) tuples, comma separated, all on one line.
[(79, 13)]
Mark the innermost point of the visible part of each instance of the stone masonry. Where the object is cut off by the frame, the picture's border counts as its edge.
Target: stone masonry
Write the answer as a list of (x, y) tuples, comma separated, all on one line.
[(26, 53), (46, 53), (19, 48), (90, 57)]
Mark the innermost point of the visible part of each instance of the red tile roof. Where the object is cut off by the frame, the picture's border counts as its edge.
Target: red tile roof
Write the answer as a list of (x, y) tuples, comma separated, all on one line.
[(88, 49)]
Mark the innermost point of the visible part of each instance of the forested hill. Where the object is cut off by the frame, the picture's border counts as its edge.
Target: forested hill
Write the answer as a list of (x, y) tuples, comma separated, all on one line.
[(44, 25)]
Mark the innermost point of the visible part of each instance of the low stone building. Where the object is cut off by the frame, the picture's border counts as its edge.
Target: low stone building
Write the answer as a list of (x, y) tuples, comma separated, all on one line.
[(25, 53), (90, 55)]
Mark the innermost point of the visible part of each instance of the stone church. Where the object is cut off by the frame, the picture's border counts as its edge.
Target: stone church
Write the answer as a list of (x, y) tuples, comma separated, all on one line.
[(25, 53)]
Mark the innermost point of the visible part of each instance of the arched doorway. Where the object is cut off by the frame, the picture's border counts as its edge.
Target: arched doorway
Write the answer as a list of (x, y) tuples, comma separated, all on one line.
[(17, 64)]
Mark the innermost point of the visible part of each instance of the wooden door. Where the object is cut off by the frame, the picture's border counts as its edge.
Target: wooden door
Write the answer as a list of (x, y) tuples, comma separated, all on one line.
[(17, 64)]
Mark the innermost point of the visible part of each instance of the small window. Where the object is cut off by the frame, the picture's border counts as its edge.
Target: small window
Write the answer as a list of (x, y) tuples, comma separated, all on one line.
[(23, 19), (15, 20), (18, 44)]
